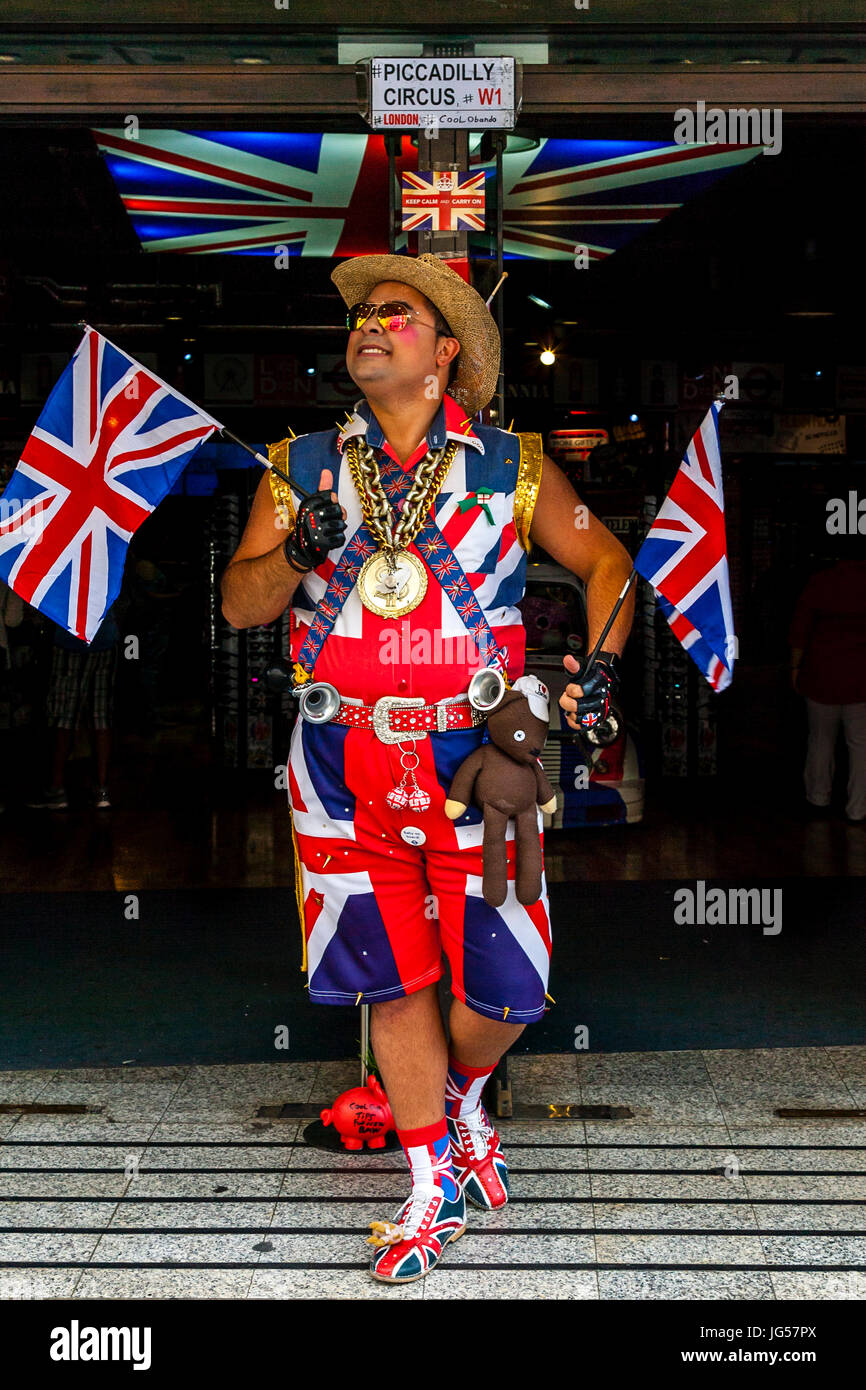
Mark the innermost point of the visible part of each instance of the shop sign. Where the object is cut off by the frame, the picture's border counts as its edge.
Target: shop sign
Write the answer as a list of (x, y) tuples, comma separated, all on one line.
[(455, 93), (574, 446), (620, 525), (658, 382), (765, 432), (277, 378), (528, 390), (281, 379), (697, 387), (575, 381), (228, 376), (333, 383), (759, 383)]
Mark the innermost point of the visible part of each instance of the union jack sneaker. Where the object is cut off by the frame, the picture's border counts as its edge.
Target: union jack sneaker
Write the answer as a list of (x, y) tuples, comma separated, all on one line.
[(478, 1160), (411, 1245)]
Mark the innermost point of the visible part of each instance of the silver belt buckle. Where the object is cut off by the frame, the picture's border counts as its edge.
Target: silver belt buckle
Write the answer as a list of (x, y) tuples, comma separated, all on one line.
[(382, 718)]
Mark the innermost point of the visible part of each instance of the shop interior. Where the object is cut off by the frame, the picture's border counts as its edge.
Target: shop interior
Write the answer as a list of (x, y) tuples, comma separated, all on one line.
[(755, 276)]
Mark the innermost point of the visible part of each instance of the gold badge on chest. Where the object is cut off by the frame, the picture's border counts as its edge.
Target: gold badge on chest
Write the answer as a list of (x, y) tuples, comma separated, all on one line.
[(391, 587), (394, 581)]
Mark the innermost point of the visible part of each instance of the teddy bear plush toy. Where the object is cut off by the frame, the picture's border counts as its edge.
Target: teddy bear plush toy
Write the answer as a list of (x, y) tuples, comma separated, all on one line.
[(505, 778)]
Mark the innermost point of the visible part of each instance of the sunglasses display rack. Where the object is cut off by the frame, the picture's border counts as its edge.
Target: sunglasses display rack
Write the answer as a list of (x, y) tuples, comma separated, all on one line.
[(249, 726), (679, 716)]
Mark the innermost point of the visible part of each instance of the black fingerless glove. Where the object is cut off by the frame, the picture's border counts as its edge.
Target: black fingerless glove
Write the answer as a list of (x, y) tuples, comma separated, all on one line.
[(599, 688), (319, 527)]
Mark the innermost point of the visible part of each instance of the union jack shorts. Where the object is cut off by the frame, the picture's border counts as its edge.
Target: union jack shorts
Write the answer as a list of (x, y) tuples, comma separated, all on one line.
[(380, 906)]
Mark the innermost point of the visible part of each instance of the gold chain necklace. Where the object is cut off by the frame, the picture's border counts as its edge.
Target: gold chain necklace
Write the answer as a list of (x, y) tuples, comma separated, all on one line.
[(393, 581)]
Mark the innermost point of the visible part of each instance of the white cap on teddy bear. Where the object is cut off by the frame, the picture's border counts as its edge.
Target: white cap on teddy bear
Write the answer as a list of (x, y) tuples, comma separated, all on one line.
[(536, 693)]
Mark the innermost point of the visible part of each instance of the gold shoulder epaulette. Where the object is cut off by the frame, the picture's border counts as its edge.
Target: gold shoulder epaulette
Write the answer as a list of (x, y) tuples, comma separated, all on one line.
[(280, 491), (528, 483)]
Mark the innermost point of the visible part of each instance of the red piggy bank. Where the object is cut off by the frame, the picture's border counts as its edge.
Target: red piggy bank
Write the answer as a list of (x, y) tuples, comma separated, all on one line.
[(362, 1116)]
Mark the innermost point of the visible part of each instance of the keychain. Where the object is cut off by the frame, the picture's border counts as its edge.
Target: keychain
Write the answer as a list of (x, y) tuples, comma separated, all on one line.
[(407, 795)]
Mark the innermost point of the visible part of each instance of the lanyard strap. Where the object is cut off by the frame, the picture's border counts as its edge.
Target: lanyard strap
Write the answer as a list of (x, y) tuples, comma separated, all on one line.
[(441, 559), (340, 585), (438, 554)]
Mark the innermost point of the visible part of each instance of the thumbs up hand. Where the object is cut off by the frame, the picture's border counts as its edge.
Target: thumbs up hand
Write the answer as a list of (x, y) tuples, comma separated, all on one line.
[(320, 526)]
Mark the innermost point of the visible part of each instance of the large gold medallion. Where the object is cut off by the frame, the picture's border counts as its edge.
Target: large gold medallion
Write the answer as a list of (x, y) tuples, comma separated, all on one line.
[(391, 589)]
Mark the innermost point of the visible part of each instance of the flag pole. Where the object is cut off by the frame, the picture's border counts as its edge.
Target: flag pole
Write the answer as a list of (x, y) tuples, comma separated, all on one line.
[(489, 299), (591, 659), (719, 400), (260, 458)]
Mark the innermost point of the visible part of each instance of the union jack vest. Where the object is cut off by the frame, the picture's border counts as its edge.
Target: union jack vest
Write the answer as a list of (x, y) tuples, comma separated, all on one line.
[(474, 547)]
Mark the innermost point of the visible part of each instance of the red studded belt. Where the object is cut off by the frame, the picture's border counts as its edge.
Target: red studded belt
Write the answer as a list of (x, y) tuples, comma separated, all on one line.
[(395, 718)]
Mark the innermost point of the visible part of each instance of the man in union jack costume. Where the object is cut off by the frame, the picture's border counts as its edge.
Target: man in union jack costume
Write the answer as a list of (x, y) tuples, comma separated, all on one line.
[(404, 563)]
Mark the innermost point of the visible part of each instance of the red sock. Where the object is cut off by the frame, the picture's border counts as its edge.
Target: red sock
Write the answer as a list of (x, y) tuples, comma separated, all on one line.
[(463, 1087), (428, 1153)]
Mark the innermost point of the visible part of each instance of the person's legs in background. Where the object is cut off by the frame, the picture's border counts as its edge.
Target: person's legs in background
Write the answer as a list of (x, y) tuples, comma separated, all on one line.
[(54, 797), (102, 753), (62, 706), (821, 751), (60, 750), (104, 673), (854, 724), (81, 685), (154, 646)]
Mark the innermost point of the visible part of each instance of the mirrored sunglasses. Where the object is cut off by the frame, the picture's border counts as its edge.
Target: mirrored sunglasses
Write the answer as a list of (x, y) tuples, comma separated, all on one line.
[(391, 315)]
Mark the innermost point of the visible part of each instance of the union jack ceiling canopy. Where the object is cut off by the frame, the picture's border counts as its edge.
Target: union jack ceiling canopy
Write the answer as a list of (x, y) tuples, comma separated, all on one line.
[(245, 193)]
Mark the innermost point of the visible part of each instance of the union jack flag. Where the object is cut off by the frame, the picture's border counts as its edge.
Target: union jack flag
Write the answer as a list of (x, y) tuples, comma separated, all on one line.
[(443, 565), (684, 557), (446, 201), (111, 441), (599, 194), (247, 192), (433, 547)]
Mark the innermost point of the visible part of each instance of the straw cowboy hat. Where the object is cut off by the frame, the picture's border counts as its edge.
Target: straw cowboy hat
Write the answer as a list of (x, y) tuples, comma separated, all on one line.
[(461, 306)]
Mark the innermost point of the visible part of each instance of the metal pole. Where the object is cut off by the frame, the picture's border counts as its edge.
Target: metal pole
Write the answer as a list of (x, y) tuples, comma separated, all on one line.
[(499, 140), (365, 1041), (260, 458), (392, 194), (590, 661)]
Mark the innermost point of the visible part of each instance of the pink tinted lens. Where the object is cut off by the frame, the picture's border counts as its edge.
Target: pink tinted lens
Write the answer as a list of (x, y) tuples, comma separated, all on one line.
[(393, 317)]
